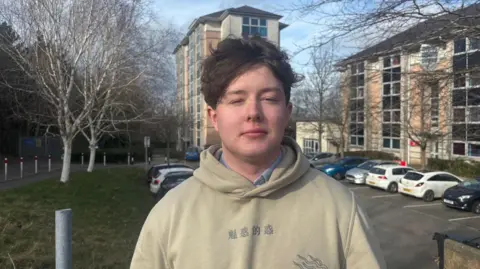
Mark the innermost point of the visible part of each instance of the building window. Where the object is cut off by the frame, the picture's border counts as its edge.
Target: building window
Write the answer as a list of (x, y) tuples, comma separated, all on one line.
[(356, 107), (254, 26), (428, 56), (466, 98), (310, 145), (391, 102)]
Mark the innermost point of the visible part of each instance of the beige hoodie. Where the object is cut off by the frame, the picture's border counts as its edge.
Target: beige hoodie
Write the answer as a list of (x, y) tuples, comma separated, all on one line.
[(217, 219)]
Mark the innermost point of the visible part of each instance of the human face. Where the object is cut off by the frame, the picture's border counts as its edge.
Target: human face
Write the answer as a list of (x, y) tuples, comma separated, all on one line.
[(252, 115)]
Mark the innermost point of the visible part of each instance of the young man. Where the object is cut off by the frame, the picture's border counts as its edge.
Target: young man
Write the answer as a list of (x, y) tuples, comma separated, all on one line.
[(255, 202)]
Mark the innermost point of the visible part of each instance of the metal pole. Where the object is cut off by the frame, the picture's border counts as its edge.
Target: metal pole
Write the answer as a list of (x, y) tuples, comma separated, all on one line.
[(6, 168), (21, 167), (82, 159), (63, 239), (36, 164), (146, 157), (128, 161), (104, 159), (49, 163)]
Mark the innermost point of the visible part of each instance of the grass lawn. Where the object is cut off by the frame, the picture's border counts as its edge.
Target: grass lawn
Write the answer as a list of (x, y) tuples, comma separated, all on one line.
[(109, 207)]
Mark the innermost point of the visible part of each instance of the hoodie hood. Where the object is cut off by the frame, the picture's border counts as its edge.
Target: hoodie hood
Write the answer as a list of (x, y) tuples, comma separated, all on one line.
[(219, 178)]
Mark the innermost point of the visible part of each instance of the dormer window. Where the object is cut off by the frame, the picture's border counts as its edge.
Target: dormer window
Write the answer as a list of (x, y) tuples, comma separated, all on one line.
[(254, 26)]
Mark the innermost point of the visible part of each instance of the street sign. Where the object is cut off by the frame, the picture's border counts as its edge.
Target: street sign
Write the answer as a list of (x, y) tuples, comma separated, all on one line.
[(146, 141)]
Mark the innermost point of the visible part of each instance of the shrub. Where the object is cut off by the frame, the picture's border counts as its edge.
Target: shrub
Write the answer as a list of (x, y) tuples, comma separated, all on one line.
[(372, 155), (458, 167)]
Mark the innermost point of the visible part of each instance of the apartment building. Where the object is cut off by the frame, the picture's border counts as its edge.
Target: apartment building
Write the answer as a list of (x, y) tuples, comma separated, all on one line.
[(420, 85), (203, 33)]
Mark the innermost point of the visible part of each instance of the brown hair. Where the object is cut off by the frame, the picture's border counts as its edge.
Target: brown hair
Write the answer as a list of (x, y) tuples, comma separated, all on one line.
[(235, 56)]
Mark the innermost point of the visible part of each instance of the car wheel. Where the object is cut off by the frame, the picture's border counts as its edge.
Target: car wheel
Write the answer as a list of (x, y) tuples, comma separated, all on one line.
[(393, 187), (337, 176), (429, 196), (476, 207)]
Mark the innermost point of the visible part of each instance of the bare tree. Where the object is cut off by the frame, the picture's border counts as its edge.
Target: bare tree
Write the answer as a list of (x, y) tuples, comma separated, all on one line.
[(319, 83), (75, 52)]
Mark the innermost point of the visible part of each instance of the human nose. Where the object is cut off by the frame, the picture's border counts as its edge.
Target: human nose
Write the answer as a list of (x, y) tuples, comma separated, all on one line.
[(254, 110)]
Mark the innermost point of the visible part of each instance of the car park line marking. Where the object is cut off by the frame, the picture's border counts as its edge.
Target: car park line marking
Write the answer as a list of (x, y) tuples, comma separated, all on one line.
[(358, 188), (464, 218), (432, 204), (387, 195)]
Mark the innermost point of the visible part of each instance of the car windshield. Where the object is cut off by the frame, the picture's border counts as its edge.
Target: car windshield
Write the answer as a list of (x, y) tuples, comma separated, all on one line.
[(367, 165), (473, 185), (192, 150), (377, 171), (413, 176)]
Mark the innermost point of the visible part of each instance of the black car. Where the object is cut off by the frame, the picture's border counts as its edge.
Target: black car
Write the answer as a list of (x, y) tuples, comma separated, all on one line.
[(172, 180), (465, 196), (153, 171)]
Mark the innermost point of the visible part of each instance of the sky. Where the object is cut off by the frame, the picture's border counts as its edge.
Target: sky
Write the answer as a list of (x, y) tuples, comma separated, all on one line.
[(293, 39)]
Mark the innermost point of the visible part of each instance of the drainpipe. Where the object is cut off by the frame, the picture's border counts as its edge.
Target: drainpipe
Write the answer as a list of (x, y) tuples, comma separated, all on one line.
[(408, 110)]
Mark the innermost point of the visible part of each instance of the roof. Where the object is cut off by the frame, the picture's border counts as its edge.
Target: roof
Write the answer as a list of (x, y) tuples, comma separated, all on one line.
[(434, 29), (219, 16), (386, 166)]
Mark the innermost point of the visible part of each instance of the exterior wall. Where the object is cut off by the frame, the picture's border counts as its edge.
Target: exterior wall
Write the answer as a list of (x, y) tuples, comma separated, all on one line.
[(309, 130)]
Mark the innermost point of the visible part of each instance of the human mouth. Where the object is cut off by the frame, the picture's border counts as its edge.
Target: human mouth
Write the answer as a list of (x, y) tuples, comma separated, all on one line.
[(255, 133)]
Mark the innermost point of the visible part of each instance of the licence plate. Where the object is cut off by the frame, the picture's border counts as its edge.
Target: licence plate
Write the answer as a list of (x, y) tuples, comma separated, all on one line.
[(371, 182), (407, 190), (450, 202)]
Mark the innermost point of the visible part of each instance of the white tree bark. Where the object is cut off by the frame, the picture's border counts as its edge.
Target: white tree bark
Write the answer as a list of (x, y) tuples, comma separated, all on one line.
[(66, 163), (91, 161)]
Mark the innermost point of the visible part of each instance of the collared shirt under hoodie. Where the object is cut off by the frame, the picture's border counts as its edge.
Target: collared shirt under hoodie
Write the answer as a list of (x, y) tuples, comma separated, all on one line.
[(265, 176), (217, 219)]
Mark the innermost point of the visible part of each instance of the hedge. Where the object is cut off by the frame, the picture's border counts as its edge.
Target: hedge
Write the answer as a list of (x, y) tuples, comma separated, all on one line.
[(380, 155), (459, 167)]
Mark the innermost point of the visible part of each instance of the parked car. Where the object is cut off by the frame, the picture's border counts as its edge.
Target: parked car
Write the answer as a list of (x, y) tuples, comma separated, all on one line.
[(387, 176), (358, 174), (338, 169), (154, 171), (156, 183), (427, 186), (323, 158), (465, 196), (192, 154), (171, 180)]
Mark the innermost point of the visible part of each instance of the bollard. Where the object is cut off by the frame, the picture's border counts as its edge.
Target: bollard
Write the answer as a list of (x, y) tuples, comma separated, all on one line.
[(82, 159), (49, 163), (149, 160), (63, 239), (104, 159), (128, 161), (36, 164), (21, 167), (6, 168)]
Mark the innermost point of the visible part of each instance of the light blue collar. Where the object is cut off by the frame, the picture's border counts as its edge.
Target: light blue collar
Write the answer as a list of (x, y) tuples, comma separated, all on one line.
[(265, 176)]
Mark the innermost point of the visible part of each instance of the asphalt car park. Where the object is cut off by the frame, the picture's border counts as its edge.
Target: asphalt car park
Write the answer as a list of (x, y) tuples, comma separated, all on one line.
[(405, 225)]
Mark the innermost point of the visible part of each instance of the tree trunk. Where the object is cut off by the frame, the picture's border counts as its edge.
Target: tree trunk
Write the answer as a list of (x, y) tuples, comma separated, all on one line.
[(91, 161), (423, 157), (168, 151), (67, 156)]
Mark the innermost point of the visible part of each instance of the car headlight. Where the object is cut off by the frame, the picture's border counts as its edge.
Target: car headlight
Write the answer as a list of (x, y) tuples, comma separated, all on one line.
[(463, 198)]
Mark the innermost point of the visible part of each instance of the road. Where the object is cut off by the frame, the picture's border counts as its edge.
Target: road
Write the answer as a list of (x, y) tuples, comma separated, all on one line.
[(405, 225)]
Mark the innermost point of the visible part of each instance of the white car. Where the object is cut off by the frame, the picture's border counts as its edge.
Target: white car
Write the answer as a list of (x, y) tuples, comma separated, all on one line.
[(387, 176), (160, 177), (427, 186)]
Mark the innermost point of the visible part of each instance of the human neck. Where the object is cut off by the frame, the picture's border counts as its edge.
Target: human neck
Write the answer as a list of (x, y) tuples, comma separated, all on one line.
[(247, 167)]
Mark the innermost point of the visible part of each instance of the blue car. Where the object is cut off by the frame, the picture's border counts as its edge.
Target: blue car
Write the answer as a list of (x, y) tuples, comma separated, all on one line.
[(192, 154), (338, 169)]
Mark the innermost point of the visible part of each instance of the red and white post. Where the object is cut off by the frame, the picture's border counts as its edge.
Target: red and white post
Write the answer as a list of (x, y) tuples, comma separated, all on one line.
[(49, 163), (36, 164), (5, 161), (21, 167)]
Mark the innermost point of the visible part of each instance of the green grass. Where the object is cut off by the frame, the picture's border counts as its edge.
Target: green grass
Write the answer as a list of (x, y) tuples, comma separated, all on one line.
[(109, 208)]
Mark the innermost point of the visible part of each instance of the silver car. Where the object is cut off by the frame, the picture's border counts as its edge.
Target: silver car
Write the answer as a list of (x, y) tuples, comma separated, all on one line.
[(358, 174), (323, 158)]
